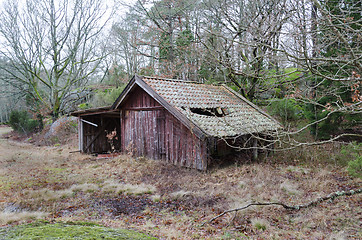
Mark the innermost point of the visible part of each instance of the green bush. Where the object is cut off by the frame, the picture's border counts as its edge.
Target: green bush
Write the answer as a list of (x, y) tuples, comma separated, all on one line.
[(21, 122), (351, 156), (84, 106), (348, 152), (353, 153), (286, 109), (333, 123), (103, 98), (355, 167)]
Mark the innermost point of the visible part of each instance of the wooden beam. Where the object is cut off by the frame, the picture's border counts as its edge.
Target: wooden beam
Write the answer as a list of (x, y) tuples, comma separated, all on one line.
[(93, 124), (115, 112), (145, 108)]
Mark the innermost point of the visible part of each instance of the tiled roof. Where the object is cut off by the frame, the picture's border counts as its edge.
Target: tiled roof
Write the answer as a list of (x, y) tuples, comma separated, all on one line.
[(236, 115)]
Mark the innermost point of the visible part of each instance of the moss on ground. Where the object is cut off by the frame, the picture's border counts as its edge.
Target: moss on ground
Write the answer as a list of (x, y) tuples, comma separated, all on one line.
[(43, 230)]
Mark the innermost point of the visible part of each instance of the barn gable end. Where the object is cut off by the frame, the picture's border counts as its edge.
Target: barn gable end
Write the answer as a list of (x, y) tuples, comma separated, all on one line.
[(148, 129)]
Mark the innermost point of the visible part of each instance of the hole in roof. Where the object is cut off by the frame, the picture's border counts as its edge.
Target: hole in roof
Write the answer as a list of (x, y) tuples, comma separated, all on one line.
[(212, 112)]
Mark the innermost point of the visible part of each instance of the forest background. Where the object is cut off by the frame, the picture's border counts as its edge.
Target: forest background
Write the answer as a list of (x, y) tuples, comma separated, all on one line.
[(300, 60)]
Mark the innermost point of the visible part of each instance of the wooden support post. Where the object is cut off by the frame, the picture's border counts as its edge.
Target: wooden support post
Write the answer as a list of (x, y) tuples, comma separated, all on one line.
[(80, 134), (255, 149)]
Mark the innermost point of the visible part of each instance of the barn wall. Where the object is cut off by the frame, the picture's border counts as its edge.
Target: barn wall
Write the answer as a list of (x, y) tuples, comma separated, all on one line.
[(182, 146), (150, 130)]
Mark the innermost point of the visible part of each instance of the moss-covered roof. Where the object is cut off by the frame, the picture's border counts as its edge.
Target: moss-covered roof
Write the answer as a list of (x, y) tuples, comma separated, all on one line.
[(216, 109)]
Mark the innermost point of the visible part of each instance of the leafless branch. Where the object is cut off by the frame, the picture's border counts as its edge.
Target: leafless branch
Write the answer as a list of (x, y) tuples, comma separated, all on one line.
[(313, 203)]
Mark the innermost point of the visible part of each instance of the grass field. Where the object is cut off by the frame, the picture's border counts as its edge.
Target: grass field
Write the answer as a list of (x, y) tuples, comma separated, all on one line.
[(67, 231), (169, 202)]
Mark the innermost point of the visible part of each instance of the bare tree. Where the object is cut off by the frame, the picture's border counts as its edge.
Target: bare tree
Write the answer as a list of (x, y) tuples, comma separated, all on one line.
[(327, 48), (160, 36), (51, 48), (245, 32), (306, 54)]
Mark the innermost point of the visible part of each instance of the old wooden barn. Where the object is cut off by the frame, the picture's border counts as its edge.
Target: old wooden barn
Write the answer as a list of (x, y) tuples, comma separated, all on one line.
[(180, 122)]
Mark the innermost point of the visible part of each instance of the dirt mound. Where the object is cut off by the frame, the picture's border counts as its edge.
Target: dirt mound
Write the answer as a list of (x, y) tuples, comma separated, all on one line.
[(62, 125), (62, 131)]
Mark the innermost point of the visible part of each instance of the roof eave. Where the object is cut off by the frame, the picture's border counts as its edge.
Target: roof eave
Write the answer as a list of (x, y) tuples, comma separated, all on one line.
[(90, 111)]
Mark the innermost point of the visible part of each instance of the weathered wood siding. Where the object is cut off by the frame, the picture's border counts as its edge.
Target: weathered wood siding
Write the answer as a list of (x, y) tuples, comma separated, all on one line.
[(182, 146), (94, 138), (150, 130)]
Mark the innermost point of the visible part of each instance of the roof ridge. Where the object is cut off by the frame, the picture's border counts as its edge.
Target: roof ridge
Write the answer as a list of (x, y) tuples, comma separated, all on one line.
[(172, 80)]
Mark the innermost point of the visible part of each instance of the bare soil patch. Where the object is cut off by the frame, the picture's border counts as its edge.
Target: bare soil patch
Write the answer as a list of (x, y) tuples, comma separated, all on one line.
[(169, 202)]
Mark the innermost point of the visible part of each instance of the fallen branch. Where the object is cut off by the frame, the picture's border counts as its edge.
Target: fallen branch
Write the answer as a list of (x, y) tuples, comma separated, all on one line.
[(330, 197)]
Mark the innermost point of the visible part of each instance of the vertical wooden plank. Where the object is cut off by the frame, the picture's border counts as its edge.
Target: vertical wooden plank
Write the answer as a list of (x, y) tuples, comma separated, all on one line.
[(188, 151), (121, 132), (155, 134), (142, 132), (202, 158), (148, 100), (80, 136), (151, 131), (172, 152), (167, 137), (180, 146), (144, 129), (133, 125), (191, 159), (174, 149), (137, 135), (161, 133), (88, 131), (129, 129), (194, 162), (184, 145), (180, 141), (148, 136)]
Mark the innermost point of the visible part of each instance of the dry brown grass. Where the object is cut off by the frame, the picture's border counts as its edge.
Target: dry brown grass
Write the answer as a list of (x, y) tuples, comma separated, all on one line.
[(11, 217), (171, 202)]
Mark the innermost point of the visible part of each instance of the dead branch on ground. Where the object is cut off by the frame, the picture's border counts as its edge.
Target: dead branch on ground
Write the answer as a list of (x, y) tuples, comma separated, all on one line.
[(330, 197)]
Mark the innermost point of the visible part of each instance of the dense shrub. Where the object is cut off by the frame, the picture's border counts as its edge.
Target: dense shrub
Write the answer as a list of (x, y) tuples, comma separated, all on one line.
[(348, 152), (107, 96), (355, 167), (102, 98), (334, 124), (22, 122), (353, 154), (286, 109)]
